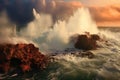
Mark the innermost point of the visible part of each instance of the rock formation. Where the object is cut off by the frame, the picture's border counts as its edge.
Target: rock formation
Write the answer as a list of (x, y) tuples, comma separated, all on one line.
[(21, 56), (86, 41)]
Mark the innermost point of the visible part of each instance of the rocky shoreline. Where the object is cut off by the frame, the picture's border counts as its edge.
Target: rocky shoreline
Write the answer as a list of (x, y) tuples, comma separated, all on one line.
[(23, 58)]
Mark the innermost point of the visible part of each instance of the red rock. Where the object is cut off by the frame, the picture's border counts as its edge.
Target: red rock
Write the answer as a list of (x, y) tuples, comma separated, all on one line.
[(21, 55), (25, 67)]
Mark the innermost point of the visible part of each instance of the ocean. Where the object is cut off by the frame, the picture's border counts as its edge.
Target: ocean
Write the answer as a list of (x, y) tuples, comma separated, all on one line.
[(104, 66), (66, 66)]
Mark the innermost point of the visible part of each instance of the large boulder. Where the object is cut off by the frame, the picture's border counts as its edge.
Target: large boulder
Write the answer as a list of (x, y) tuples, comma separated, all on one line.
[(85, 41), (21, 56)]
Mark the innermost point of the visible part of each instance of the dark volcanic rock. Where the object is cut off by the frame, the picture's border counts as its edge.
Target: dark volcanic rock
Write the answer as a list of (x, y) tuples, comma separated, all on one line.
[(87, 54), (21, 56), (95, 37), (86, 42)]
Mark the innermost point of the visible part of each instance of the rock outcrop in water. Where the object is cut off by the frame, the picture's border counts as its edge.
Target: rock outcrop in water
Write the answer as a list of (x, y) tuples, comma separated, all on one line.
[(87, 54), (86, 41), (21, 56)]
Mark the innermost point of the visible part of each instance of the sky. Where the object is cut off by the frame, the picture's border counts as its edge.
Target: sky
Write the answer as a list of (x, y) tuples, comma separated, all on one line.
[(97, 2), (104, 12)]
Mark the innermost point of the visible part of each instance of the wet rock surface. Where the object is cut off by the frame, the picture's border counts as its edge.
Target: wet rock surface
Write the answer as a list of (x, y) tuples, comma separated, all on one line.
[(86, 41), (75, 52), (87, 54), (21, 57)]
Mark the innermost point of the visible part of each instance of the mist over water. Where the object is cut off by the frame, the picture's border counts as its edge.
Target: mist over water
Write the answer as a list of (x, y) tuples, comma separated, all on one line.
[(105, 65), (8, 31), (56, 37), (49, 37)]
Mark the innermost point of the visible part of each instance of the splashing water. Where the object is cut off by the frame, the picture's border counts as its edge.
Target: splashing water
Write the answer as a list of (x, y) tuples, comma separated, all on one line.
[(57, 38), (41, 24), (105, 65), (40, 32), (8, 31), (81, 21)]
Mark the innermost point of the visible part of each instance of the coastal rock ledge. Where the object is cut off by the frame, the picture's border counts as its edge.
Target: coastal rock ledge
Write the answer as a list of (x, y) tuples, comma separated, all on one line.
[(24, 57)]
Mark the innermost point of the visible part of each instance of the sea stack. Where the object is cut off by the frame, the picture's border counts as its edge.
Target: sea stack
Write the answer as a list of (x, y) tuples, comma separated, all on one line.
[(86, 41)]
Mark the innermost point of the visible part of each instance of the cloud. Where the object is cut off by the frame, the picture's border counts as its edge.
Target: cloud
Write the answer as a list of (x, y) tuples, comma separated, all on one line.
[(106, 13), (65, 9), (58, 9), (1, 5), (18, 11), (99, 2), (21, 11)]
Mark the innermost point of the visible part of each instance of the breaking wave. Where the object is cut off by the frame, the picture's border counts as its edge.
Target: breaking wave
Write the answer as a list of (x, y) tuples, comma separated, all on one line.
[(105, 65)]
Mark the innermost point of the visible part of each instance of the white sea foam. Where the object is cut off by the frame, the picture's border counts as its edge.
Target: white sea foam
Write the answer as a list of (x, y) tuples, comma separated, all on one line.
[(105, 65), (57, 38)]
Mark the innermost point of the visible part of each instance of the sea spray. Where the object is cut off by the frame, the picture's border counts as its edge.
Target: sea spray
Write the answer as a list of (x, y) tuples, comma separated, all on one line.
[(49, 36), (81, 22), (41, 24), (57, 38), (105, 65), (8, 31)]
